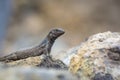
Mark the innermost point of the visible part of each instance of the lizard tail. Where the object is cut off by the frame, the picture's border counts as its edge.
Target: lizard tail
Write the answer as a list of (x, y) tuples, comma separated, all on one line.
[(8, 58)]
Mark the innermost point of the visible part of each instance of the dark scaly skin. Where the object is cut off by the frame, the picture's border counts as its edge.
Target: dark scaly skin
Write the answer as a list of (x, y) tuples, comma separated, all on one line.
[(43, 48)]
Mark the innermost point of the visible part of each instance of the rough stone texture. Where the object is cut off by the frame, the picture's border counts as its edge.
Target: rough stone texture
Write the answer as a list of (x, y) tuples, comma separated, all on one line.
[(39, 61), (99, 54), (98, 58), (32, 73), (49, 62), (69, 54), (101, 76), (31, 61)]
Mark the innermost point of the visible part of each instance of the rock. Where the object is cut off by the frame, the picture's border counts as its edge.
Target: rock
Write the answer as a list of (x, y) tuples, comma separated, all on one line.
[(99, 54), (97, 58), (31, 61), (101, 76), (34, 73), (39, 61), (69, 55), (50, 62)]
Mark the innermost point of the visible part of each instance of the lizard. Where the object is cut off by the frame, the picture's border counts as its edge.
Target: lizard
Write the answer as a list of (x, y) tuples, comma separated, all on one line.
[(43, 48)]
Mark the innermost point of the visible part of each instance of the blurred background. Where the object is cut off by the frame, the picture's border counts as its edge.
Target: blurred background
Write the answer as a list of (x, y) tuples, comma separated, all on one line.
[(25, 23)]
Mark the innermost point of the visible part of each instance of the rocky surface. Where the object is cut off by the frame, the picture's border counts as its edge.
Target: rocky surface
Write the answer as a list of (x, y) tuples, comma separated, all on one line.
[(98, 57), (33, 73), (31, 61), (39, 61), (50, 62)]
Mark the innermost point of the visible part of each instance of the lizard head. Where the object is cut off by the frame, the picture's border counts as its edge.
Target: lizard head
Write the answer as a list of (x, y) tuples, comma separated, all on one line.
[(55, 33)]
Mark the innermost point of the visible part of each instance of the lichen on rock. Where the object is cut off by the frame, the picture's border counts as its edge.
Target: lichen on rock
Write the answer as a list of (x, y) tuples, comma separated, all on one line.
[(92, 56)]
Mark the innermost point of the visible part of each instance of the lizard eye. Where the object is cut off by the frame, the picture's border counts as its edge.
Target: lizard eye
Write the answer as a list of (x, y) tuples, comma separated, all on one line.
[(55, 31)]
